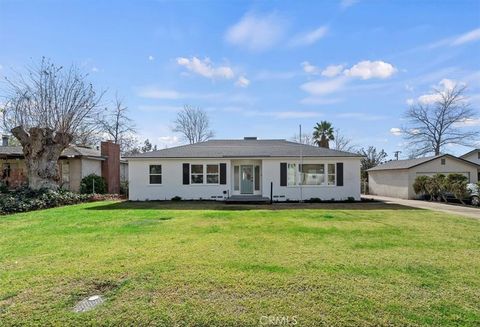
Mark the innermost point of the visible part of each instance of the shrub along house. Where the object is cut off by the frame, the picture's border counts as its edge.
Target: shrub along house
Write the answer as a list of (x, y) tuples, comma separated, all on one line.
[(244, 170), (395, 178), (75, 163)]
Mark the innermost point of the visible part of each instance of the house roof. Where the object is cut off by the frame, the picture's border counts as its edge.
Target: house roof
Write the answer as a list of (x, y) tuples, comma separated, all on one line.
[(72, 151), (246, 148), (410, 163), (469, 153)]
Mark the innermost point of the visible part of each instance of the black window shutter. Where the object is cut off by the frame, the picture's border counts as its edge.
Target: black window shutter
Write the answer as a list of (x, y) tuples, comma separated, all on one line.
[(186, 174), (339, 173), (223, 173), (283, 174)]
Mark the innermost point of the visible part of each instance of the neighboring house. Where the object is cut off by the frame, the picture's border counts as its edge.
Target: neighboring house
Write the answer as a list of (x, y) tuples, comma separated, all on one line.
[(473, 156), (246, 169), (395, 178), (75, 163)]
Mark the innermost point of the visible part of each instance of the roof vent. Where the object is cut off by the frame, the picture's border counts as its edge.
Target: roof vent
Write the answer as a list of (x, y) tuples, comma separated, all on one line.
[(250, 138)]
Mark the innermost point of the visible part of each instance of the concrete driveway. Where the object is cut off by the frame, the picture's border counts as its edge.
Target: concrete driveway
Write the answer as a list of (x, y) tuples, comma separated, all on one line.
[(470, 212)]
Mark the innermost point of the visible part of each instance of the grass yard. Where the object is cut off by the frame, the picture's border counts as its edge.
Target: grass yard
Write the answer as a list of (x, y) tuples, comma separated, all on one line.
[(208, 264)]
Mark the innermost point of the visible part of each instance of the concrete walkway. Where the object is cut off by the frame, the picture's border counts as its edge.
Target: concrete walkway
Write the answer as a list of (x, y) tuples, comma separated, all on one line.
[(470, 212)]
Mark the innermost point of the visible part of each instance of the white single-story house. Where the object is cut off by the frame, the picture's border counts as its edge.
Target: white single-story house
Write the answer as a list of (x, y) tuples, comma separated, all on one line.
[(395, 178), (250, 168), (473, 156)]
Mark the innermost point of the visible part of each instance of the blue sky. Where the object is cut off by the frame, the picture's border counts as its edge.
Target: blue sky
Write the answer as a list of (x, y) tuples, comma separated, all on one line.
[(259, 68)]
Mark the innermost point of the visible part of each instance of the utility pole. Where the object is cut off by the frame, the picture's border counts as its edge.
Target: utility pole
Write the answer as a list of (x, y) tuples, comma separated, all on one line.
[(396, 154), (300, 168)]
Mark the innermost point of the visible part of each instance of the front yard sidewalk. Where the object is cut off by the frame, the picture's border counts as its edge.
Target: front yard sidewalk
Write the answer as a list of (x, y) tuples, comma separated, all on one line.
[(436, 206)]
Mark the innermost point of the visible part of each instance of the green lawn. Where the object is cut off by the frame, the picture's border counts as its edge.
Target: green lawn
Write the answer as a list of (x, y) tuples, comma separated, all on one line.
[(210, 264)]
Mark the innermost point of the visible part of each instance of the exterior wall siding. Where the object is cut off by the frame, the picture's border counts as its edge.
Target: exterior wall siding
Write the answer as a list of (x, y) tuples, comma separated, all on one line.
[(75, 174), (393, 183), (435, 167), (90, 166), (141, 190), (473, 157), (351, 178), (172, 181), (398, 183)]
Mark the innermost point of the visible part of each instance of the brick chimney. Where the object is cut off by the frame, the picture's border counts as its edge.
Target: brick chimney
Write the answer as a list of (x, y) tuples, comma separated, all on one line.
[(111, 166)]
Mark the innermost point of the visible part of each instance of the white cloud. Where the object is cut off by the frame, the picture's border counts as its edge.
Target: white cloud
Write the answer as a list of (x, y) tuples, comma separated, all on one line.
[(151, 58), (468, 37), (410, 101), (205, 68), (468, 122), (309, 68), (95, 69), (364, 70), (371, 69), (332, 70), (445, 86), (347, 3), (242, 81), (168, 141), (151, 92), (429, 98), (310, 37), (321, 87), (396, 131), (256, 32)]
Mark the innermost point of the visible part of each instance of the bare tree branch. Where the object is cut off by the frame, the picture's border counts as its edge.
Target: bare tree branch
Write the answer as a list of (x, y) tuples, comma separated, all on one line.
[(47, 108), (193, 124), (432, 126), (371, 158), (343, 143), (118, 126)]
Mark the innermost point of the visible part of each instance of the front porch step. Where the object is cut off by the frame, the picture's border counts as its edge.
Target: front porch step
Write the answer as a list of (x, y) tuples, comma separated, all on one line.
[(251, 199)]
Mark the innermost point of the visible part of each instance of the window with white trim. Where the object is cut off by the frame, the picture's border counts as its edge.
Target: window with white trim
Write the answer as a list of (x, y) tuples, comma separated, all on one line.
[(212, 174), (291, 174), (155, 174), (196, 174), (236, 178), (312, 174), (331, 179), (257, 178)]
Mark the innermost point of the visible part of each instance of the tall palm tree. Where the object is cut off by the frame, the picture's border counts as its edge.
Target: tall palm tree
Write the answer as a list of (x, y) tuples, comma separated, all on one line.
[(323, 133)]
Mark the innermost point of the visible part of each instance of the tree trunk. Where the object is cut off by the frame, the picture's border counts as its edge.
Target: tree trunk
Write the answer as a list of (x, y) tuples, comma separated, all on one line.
[(42, 149), (324, 142)]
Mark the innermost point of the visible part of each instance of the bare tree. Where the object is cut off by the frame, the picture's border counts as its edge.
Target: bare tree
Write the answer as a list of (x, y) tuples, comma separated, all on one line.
[(306, 138), (48, 108), (432, 126), (119, 127), (146, 147), (343, 143), (371, 158), (193, 124)]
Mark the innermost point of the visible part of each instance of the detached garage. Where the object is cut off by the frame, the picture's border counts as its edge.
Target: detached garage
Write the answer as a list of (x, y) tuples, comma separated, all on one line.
[(395, 178)]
